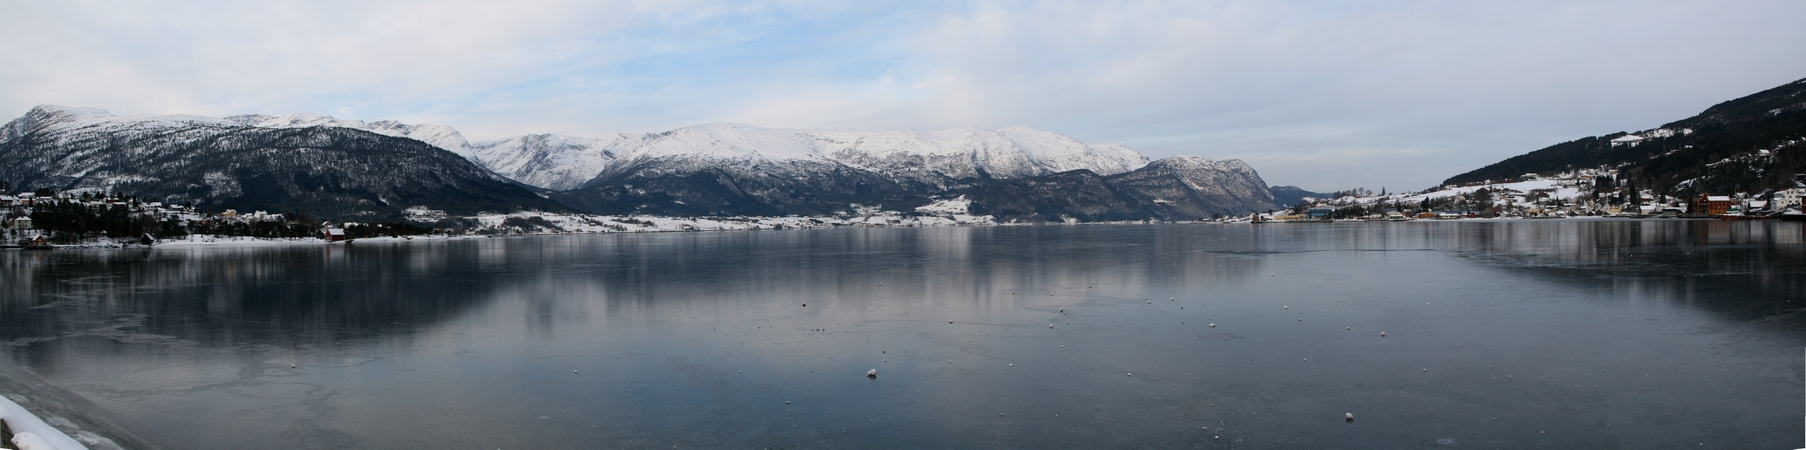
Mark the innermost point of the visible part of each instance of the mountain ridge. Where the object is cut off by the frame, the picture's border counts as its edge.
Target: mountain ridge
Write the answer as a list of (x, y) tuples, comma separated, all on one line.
[(1682, 156)]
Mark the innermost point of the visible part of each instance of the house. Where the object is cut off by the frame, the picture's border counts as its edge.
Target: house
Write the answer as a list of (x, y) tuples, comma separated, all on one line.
[(23, 223), (1712, 204), (7, 200), (1628, 139), (1787, 198), (333, 234)]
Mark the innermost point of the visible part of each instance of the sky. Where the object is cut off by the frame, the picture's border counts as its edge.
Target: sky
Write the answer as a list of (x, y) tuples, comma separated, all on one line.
[(1325, 95)]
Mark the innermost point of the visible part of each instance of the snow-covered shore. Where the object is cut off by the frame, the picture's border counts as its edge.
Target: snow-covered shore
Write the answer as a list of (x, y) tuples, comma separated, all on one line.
[(945, 213), (31, 433), (543, 223), (43, 416)]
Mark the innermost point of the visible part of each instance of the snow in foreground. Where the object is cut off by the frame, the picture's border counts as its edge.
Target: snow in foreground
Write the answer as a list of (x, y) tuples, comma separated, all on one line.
[(31, 433)]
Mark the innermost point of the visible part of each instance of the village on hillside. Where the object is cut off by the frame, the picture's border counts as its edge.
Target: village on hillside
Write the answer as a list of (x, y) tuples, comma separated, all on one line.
[(42, 218), (1579, 193)]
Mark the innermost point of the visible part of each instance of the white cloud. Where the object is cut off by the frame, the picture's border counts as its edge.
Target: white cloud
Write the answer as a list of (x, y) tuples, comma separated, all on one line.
[(1324, 95)]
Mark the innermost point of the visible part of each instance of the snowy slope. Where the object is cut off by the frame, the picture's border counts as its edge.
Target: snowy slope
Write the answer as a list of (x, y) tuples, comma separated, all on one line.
[(438, 135), (551, 161), (1189, 187), (939, 159)]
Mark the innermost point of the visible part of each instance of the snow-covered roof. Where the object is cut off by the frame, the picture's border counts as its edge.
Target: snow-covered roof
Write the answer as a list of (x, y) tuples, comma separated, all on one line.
[(1627, 138), (1718, 198)]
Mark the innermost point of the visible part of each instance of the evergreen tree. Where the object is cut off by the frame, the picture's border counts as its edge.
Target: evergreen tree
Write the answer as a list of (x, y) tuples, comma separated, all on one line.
[(1636, 196)]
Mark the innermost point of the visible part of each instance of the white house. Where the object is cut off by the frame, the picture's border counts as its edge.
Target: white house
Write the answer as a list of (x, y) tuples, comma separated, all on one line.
[(1788, 198)]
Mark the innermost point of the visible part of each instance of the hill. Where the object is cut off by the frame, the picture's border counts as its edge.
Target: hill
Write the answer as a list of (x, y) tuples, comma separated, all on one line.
[(1749, 144)]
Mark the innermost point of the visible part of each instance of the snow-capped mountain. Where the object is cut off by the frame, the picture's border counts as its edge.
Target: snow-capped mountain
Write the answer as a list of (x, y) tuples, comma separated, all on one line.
[(941, 159), (438, 135), (1189, 186), (938, 159), (1175, 188), (551, 161), (238, 162), (548, 161), (767, 171)]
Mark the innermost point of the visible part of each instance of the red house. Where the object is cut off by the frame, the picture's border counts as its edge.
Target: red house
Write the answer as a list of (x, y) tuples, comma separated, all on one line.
[(1712, 204)]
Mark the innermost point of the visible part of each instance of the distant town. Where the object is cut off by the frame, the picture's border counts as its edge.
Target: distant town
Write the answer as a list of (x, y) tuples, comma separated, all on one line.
[(1579, 193), (42, 218)]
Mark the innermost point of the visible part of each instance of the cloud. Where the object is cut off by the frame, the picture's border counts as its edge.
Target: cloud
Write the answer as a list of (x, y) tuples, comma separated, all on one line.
[(1326, 95)]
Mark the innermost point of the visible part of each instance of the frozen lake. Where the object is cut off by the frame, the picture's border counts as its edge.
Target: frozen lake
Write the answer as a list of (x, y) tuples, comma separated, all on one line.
[(1498, 334)]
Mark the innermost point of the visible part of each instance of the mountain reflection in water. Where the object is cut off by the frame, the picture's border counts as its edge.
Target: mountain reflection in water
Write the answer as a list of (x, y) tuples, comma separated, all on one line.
[(1500, 334)]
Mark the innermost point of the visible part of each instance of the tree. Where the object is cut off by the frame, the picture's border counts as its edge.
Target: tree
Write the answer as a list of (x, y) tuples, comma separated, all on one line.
[(1604, 184), (1636, 196)]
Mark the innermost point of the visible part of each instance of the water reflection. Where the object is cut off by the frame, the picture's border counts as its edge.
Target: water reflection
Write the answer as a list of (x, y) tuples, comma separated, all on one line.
[(699, 339)]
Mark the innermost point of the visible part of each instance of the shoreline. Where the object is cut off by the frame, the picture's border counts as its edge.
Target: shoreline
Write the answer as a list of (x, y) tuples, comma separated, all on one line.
[(733, 224)]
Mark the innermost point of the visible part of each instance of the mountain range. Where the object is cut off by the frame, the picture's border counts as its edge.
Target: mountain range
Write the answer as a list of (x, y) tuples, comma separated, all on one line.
[(347, 168)]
